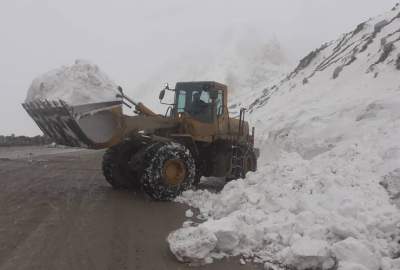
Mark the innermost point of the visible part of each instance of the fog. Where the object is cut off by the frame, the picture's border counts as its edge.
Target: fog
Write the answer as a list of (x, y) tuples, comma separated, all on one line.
[(130, 40)]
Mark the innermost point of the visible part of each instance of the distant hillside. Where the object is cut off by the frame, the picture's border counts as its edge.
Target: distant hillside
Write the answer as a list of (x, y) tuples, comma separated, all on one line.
[(13, 140), (369, 53)]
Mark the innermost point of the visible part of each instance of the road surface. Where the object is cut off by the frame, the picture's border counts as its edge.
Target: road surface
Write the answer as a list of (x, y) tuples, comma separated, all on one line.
[(57, 212)]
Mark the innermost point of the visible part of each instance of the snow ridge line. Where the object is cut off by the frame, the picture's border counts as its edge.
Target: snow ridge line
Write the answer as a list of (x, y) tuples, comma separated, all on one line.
[(338, 54)]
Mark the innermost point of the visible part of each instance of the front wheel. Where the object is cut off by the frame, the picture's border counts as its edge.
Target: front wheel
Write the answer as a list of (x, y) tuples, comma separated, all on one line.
[(168, 171), (116, 167)]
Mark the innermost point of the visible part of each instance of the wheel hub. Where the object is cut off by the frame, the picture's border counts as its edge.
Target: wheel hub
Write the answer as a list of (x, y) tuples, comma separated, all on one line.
[(174, 171)]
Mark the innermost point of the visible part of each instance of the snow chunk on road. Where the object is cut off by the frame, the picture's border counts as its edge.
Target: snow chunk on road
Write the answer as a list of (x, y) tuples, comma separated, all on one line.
[(192, 244), (78, 84), (351, 266), (307, 253), (189, 213), (353, 251)]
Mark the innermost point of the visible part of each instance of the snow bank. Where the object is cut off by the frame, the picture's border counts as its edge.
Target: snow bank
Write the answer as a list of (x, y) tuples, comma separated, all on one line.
[(298, 212), (78, 84), (321, 198)]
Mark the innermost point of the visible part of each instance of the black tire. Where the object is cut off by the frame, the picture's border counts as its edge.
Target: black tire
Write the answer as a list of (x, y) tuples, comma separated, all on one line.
[(154, 181), (197, 178), (250, 162), (247, 163), (116, 167)]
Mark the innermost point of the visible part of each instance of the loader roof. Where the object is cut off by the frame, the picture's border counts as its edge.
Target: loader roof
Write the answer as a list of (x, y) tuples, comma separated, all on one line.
[(201, 85)]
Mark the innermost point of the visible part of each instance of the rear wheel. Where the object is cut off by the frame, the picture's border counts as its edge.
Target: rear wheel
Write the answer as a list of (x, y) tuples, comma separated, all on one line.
[(169, 169), (116, 165), (250, 162), (244, 160)]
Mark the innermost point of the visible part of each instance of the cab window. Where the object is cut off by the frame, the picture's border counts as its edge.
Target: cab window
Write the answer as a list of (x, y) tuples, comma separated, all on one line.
[(219, 103), (181, 102), (199, 106)]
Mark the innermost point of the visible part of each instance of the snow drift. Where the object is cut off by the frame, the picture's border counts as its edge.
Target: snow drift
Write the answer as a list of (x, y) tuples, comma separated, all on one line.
[(323, 197), (78, 84)]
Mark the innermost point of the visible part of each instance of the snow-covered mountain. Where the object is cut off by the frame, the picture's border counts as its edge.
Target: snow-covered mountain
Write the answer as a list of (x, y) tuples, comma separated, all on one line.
[(243, 59), (329, 175)]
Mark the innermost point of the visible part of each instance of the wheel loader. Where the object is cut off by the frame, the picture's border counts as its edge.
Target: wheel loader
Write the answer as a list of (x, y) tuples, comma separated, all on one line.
[(163, 155)]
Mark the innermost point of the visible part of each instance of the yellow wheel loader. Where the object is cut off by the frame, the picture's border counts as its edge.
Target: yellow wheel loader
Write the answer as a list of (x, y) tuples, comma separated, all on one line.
[(162, 154)]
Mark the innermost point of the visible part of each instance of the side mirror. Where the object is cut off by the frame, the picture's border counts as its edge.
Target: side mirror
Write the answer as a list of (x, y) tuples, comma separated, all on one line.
[(120, 90), (162, 94)]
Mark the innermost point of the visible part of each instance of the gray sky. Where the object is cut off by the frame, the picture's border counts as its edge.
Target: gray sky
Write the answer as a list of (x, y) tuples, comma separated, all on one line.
[(129, 39)]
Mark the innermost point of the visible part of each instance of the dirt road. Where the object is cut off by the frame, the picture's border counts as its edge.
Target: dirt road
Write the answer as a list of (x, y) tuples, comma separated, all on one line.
[(57, 212)]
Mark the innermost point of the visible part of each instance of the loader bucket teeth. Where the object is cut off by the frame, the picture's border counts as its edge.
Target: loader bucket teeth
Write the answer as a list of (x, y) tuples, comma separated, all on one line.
[(92, 126)]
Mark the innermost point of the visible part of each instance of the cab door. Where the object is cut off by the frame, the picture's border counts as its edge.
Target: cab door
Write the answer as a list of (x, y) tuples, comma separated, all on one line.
[(200, 124), (222, 114)]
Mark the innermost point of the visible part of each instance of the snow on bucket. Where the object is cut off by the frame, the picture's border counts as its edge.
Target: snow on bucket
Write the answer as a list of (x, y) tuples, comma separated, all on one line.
[(76, 105)]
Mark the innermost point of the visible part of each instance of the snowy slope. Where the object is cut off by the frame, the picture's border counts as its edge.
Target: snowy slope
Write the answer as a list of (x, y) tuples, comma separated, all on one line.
[(323, 196), (243, 59)]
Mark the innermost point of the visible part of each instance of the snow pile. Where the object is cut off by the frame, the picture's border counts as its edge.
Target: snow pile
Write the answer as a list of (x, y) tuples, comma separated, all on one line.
[(329, 138), (298, 212), (78, 84)]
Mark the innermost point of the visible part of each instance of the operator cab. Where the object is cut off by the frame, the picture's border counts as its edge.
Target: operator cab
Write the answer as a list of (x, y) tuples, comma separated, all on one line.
[(204, 101)]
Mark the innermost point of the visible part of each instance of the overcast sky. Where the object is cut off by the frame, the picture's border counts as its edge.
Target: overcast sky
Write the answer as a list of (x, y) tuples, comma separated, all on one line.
[(129, 39)]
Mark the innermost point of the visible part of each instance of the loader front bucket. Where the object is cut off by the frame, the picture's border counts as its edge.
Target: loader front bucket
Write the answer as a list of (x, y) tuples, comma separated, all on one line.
[(94, 126)]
